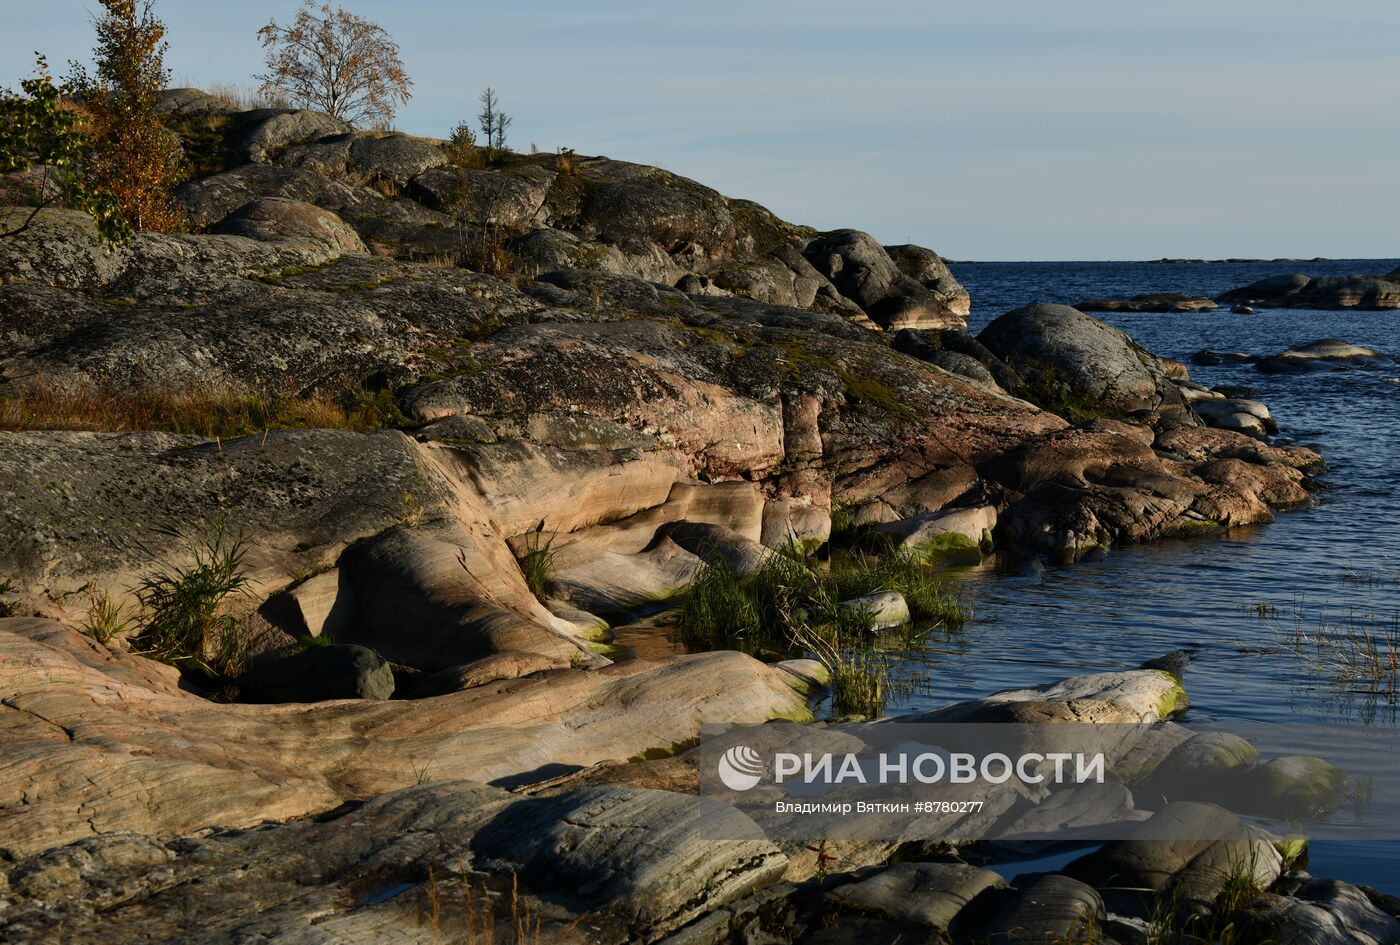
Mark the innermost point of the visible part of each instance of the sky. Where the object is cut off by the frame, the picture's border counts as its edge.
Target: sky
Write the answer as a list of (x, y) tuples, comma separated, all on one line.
[(984, 129)]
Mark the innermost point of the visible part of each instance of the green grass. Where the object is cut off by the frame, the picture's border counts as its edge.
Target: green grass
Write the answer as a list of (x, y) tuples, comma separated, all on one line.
[(107, 618), (182, 619), (789, 607), (537, 563), (910, 574)]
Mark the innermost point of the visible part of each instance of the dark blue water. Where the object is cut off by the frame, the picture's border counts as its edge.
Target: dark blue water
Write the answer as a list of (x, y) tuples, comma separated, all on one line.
[(1203, 593), (1339, 560)]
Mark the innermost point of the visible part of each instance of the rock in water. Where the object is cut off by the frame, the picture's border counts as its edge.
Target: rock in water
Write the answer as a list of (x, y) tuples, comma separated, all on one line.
[(884, 610), (1151, 302), (319, 674)]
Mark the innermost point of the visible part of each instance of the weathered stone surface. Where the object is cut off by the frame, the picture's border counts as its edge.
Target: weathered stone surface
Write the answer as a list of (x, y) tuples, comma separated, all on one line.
[(1294, 786), (1242, 416), (1072, 362), (510, 199), (100, 741), (272, 316), (181, 102), (1329, 354), (321, 605), (1188, 850), (863, 272), (508, 664), (270, 131), (1296, 290), (928, 269), (1321, 912), (950, 530), (930, 894), (1136, 696), (1050, 908), (1075, 490), (931, 346), (638, 863)]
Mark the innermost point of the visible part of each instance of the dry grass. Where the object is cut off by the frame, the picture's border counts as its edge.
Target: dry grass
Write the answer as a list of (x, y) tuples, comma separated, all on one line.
[(1359, 652), (473, 922), (244, 98), (210, 410)]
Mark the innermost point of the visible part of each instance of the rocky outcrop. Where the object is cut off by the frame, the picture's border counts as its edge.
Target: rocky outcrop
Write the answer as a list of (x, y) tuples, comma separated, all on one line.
[(1296, 290), (100, 741), (274, 219), (422, 854), (1149, 302), (1329, 354), (864, 272), (1075, 490)]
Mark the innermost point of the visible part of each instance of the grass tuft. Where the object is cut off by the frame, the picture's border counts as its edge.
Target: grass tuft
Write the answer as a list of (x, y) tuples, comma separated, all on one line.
[(537, 563), (789, 607), (183, 621)]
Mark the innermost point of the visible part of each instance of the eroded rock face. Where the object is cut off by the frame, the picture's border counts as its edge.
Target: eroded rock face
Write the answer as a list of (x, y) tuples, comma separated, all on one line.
[(1076, 489), (101, 741), (639, 862)]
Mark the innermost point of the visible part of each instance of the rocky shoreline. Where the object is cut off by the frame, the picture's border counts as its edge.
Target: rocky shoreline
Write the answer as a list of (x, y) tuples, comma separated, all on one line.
[(447, 424)]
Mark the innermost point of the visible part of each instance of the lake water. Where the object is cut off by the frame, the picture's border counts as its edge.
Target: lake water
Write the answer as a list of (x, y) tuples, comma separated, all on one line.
[(1336, 561)]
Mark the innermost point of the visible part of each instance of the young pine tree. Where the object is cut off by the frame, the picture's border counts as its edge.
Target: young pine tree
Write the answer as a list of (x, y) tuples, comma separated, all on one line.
[(494, 123), (133, 157)]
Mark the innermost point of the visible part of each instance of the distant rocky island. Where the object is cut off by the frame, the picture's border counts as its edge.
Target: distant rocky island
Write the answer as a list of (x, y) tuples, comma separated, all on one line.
[(319, 517)]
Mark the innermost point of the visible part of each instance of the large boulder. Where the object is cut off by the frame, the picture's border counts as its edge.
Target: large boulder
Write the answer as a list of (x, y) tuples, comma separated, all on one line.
[(277, 218), (927, 894), (208, 200), (928, 269), (510, 199), (1374, 293), (864, 273), (268, 132), (1077, 365), (1187, 850), (392, 159)]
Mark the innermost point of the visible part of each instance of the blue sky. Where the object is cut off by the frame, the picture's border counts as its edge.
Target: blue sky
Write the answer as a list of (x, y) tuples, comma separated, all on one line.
[(986, 129)]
